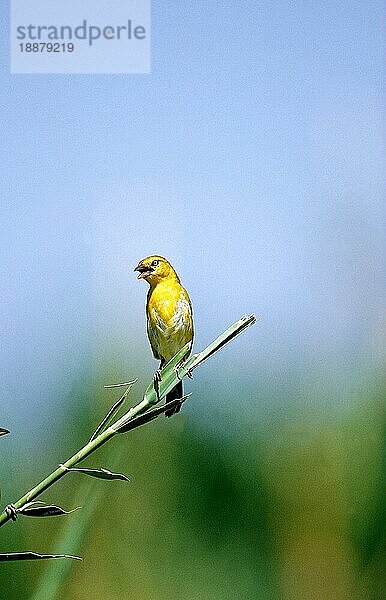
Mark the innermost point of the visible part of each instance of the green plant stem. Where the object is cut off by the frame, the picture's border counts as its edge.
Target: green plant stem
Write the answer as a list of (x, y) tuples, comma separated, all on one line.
[(173, 372), (88, 449), (58, 473)]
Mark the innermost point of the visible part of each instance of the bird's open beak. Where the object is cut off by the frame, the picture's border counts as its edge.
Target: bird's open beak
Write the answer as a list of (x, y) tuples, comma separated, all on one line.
[(143, 271)]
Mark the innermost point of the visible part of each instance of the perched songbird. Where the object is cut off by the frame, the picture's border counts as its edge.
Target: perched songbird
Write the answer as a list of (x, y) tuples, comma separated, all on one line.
[(169, 315)]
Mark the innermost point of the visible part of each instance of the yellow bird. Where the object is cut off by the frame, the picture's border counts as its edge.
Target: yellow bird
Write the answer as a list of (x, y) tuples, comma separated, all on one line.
[(169, 315)]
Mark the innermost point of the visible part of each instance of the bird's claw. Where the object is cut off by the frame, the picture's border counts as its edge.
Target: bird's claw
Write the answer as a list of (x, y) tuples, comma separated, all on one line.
[(156, 382), (11, 511), (189, 373)]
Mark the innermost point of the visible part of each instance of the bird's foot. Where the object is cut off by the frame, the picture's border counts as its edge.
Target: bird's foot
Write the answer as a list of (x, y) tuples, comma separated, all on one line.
[(188, 373), (11, 511), (156, 382)]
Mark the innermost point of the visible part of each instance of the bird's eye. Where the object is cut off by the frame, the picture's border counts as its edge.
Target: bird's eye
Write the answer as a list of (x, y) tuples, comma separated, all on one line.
[(154, 263)]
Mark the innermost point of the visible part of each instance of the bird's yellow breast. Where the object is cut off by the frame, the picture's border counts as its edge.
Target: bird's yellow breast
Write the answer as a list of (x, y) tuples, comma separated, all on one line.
[(169, 318), (163, 299)]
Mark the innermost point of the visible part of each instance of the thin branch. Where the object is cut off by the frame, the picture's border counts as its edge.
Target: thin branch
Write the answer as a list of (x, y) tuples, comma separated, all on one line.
[(171, 374)]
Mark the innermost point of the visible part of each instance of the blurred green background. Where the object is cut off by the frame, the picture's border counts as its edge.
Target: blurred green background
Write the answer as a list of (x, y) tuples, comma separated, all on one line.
[(251, 157), (290, 510)]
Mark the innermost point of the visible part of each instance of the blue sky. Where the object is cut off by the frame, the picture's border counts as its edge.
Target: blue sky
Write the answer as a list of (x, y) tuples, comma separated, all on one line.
[(251, 157)]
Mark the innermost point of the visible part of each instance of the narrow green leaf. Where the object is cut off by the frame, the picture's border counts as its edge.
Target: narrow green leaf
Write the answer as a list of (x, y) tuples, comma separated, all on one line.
[(100, 473), (39, 509), (122, 384), (34, 556), (114, 409), (176, 369), (149, 415), (223, 339)]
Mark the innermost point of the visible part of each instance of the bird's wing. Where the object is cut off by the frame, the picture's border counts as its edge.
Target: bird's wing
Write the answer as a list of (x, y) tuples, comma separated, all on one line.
[(183, 313), (153, 338)]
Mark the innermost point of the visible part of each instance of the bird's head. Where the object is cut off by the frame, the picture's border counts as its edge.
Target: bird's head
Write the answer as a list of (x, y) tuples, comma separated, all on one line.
[(154, 269)]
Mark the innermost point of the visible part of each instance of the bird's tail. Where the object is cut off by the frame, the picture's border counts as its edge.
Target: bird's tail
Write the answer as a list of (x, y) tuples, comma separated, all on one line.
[(176, 392)]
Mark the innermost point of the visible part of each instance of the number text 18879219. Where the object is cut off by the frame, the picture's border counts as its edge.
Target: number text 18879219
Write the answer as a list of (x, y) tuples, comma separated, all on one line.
[(46, 47)]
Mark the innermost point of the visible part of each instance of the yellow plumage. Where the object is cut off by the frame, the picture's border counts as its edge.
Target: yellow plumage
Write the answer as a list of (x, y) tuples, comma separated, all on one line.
[(169, 313)]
